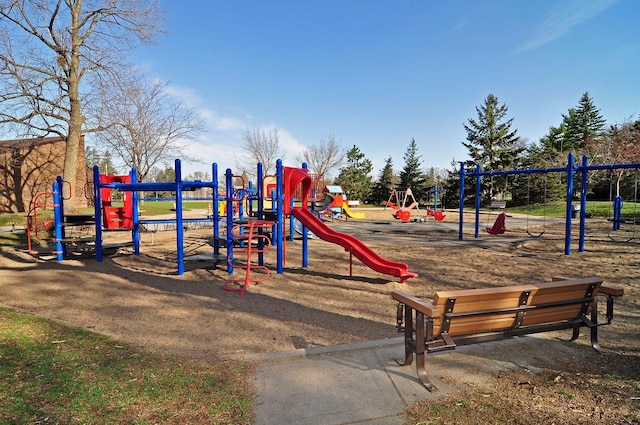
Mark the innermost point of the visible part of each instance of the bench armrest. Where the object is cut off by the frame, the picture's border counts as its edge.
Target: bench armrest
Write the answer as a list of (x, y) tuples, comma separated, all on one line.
[(612, 291), (415, 303)]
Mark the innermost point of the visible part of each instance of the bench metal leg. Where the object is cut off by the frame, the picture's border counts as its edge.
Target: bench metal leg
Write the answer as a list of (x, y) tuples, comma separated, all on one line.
[(594, 326), (416, 345), (574, 336), (408, 333), (420, 353)]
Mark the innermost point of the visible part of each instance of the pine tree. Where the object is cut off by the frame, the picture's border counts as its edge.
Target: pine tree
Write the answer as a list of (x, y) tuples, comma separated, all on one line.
[(412, 176), (383, 187), (584, 124), (491, 142), (354, 177)]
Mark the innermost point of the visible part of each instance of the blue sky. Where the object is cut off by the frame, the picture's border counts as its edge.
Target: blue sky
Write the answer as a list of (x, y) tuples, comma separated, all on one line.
[(376, 74)]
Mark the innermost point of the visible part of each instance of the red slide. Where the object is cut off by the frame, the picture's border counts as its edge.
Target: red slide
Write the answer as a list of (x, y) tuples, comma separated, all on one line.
[(353, 245)]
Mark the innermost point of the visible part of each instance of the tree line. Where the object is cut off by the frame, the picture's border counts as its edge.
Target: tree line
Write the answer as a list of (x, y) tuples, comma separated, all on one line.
[(493, 144)]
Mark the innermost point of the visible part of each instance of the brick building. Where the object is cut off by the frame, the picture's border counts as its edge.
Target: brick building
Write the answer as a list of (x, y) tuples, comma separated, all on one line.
[(30, 166)]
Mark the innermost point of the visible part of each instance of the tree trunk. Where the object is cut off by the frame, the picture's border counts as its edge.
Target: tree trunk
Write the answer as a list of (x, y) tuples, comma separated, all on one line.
[(75, 116)]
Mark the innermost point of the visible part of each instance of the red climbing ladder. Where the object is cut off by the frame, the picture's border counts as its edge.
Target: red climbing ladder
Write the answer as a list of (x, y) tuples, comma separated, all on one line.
[(252, 238)]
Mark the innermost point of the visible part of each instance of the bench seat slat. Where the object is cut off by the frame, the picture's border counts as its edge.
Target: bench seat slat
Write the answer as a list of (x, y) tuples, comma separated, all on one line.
[(489, 323)]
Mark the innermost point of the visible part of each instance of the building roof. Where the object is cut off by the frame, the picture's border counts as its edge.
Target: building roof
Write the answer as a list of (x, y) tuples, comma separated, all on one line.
[(333, 189), (37, 141)]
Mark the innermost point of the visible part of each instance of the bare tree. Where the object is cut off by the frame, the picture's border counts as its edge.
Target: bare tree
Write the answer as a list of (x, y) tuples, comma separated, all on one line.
[(261, 147), (326, 156), (147, 125), (55, 54), (621, 144)]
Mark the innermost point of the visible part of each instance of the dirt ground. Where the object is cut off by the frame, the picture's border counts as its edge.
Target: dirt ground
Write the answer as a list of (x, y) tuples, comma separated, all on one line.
[(142, 300)]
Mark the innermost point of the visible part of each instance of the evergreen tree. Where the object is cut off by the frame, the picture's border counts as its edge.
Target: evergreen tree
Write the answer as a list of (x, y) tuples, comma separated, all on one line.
[(383, 187), (103, 160), (412, 176), (354, 177), (166, 174), (584, 124), (581, 132), (491, 142)]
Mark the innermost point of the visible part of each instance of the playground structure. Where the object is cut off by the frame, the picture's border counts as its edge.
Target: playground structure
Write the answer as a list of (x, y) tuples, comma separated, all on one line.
[(293, 185), (402, 203), (66, 230), (335, 203), (294, 179), (570, 171)]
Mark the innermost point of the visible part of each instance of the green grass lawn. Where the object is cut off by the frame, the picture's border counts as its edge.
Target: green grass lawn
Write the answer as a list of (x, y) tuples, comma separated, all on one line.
[(50, 373), (595, 209)]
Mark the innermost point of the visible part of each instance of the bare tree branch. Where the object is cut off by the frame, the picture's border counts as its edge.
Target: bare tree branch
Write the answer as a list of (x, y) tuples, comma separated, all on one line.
[(147, 125), (55, 55), (261, 147), (326, 156)]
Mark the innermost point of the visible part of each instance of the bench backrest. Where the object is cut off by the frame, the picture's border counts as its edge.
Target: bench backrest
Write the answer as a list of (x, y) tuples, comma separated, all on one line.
[(473, 311)]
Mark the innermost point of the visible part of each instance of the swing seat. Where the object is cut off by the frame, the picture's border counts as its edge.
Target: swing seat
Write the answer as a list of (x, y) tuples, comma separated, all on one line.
[(499, 227)]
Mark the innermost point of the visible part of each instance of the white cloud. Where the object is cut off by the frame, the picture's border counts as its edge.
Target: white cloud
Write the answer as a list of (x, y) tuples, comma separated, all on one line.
[(214, 120), (222, 141), (565, 16), (288, 143)]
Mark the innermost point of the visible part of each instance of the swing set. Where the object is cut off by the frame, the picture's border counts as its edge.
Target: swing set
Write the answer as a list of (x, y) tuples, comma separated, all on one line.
[(570, 170), (499, 203), (544, 208)]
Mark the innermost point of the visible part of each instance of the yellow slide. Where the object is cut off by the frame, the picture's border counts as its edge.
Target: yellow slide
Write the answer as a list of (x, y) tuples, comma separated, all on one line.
[(347, 211)]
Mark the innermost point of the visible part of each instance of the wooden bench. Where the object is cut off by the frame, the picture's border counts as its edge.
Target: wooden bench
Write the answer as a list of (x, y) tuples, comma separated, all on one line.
[(468, 316)]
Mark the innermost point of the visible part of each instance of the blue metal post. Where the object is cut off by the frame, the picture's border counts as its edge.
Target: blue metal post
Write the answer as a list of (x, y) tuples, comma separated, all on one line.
[(58, 217), (461, 203), (229, 194), (478, 200), (279, 236), (179, 227), (617, 212), (305, 234), (292, 229), (135, 232), (258, 213), (260, 191), (97, 208), (583, 202), (567, 234), (215, 212)]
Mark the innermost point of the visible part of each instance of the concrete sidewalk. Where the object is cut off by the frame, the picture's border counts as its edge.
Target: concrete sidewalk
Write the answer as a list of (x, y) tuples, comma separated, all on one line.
[(348, 384), (363, 384)]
